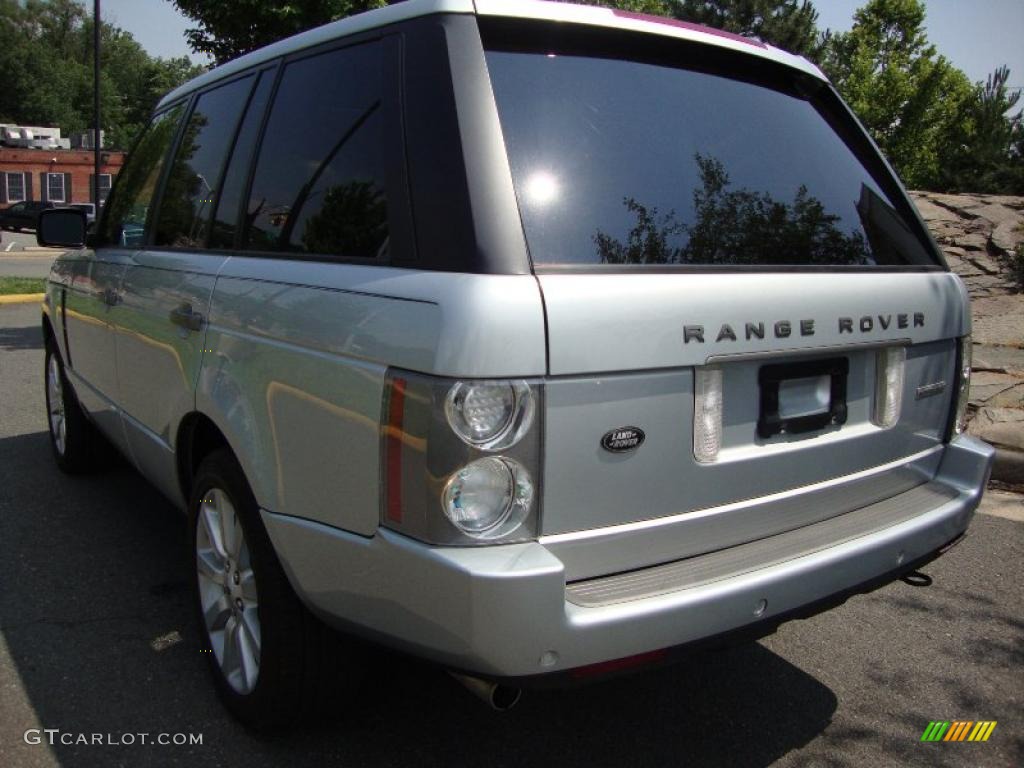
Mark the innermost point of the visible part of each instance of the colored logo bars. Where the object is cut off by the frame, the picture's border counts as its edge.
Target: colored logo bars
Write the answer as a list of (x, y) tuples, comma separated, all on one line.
[(958, 730)]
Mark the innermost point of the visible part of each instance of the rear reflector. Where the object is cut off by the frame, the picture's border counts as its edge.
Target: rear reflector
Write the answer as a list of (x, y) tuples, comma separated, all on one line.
[(618, 665), (393, 448)]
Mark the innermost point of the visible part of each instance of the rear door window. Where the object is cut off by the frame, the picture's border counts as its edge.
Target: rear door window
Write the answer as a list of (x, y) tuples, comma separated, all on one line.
[(319, 185), (225, 217), (193, 182), (620, 163), (128, 209)]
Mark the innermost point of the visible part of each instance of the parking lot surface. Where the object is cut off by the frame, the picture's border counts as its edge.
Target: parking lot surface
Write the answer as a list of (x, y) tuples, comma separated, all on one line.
[(96, 637)]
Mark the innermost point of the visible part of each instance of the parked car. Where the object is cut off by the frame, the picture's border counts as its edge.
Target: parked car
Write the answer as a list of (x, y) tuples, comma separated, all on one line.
[(535, 340), (23, 215), (89, 209)]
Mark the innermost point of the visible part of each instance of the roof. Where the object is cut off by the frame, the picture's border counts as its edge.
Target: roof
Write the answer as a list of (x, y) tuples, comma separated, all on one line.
[(523, 9)]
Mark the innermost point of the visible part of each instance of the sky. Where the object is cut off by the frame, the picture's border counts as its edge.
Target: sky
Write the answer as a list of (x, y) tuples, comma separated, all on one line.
[(976, 36)]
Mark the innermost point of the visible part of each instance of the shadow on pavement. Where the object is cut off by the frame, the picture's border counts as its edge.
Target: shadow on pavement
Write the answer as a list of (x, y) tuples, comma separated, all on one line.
[(96, 587), (17, 339)]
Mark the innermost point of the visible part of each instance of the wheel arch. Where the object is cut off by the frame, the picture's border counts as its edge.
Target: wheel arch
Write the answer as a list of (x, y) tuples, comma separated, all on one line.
[(49, 334), (198, 437)]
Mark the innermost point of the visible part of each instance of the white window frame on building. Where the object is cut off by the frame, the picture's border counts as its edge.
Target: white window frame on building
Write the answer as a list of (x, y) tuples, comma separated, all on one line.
[(49, 188), (8, 178)]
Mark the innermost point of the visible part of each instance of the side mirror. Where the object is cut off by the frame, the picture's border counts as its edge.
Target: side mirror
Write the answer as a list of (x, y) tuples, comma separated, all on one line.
[(61, 227)]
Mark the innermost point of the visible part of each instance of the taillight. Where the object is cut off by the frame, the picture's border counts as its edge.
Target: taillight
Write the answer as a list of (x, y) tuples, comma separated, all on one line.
[(963, 385), (890, 372), (461, 459), (707, 414), (489, 414)]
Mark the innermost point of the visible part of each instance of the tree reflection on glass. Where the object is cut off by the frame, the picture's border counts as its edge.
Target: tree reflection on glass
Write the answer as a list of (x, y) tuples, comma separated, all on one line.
[(352, 220), (735, 227), (185, 198)]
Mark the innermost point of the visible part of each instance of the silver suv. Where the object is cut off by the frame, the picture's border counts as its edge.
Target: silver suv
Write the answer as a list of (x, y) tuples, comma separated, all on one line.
[(531, 339)]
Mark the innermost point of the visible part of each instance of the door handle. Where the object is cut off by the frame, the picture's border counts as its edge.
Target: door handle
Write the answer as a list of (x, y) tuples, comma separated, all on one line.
[(186, 318)]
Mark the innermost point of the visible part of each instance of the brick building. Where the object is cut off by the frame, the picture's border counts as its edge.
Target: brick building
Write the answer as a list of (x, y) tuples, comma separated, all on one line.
[(57, 175)]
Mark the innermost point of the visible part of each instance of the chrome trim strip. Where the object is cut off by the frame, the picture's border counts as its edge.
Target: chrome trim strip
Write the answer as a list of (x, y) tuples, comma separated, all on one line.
[(825, 350), (658, 522)]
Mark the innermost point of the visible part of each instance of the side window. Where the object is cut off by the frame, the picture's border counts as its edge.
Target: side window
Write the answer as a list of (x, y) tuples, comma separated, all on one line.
[(225, 217), (191, 191), (125, 220), (319, 182)]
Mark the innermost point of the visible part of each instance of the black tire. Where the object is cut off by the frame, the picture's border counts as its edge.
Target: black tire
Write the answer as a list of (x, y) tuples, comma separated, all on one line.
[(82, 447), (303, 666)]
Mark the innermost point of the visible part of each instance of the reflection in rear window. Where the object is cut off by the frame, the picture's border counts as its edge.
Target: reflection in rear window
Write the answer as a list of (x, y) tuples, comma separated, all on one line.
[(619, 162)]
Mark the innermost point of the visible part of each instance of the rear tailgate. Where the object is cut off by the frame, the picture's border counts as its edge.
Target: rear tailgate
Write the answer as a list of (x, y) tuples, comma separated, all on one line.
[(624, 350), (701, 220)]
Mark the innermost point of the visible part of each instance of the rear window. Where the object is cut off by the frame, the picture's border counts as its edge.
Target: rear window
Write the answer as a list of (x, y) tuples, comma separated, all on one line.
[(619, 162)]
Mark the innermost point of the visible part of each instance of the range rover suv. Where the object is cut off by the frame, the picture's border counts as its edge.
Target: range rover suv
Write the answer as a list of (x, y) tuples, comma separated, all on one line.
[(531, 339)]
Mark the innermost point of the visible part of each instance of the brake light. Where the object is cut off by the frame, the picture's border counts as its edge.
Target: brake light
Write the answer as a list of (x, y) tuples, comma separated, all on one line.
[(460, 458)]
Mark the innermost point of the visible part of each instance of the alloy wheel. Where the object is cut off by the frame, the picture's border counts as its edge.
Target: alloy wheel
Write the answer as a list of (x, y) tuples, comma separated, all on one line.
[(227, 591), (55, 393)]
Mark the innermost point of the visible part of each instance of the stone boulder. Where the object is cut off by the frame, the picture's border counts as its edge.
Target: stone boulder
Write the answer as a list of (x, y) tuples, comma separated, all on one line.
[(979, 235)]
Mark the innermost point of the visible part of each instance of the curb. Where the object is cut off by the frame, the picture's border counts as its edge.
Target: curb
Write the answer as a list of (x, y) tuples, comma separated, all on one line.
[(21, 298)]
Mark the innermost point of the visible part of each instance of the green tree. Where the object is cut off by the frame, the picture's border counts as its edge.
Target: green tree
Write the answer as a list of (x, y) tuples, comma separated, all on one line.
[(46, 54), (228, 30), (787, 24), (984, 152), (908, 97)]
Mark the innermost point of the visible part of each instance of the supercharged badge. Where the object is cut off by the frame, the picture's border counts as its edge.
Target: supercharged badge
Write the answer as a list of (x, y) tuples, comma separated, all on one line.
[(622, 439)]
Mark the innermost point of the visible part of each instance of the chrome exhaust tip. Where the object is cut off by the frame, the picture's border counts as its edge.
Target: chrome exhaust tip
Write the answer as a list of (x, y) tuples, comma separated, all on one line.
[(497, 696)]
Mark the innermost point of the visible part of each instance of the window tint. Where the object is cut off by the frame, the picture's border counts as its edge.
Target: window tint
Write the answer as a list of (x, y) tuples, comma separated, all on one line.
[(222, 232), (125, 219), (620, 162), (190, 193), (319, 182)]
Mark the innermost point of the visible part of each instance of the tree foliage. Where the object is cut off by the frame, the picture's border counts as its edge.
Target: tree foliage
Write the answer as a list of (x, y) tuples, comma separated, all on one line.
[(937, 129), (787, 24), (986, 149), (46, 55), (229, 30), (908, 97), (735, 226)]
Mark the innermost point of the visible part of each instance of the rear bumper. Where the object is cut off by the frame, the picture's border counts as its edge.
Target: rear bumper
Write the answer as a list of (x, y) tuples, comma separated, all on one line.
[(505, 611)]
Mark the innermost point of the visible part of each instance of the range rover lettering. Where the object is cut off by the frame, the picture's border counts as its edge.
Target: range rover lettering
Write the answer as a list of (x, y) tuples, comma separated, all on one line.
[(530, 339)]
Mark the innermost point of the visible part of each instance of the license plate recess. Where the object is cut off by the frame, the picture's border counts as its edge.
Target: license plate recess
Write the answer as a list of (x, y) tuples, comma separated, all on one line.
[(803, 396)]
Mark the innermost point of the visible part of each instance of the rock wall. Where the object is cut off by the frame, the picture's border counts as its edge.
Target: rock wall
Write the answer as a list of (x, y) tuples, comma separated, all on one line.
[(979, 235)]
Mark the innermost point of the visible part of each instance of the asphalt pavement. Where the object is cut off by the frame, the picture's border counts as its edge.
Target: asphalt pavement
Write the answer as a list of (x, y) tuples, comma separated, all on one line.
[(20, 255), (97, 639)]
